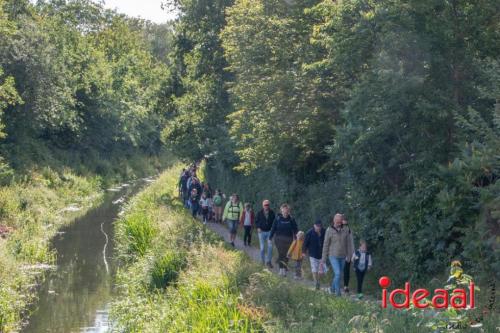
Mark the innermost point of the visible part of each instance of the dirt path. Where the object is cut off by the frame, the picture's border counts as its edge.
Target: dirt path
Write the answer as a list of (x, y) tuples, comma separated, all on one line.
[(254, 253)]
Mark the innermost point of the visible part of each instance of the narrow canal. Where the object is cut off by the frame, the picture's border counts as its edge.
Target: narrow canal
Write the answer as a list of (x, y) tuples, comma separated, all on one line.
[(75, 297)]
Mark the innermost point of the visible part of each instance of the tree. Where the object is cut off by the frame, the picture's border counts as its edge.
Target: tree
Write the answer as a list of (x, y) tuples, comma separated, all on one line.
[(196, 125), (282, 117)]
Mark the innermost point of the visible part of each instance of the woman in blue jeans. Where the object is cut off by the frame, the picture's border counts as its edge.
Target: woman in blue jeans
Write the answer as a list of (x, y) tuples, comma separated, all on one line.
[(338, 248), (264, 222)]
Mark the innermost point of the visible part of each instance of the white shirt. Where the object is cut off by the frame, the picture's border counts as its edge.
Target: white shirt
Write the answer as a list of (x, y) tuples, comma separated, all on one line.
[(361, 264), (247, 221), (205, 202)]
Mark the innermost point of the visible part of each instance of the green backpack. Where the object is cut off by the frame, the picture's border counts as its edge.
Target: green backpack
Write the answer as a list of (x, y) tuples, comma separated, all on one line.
[(217, 200)]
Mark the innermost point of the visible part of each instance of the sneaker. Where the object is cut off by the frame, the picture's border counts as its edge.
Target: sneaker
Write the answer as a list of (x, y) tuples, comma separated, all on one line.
[(232, 244), (269, 265), (360, 296), (346, 290), (317, 285)]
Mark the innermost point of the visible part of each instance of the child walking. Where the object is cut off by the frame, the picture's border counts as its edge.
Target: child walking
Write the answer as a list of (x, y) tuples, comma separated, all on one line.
[(362, 263), (194, 203), (205, 207), (295, 253), (247, 221)]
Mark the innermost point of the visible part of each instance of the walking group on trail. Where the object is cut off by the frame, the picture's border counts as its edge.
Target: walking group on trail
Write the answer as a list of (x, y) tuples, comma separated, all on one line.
[(333, 245)]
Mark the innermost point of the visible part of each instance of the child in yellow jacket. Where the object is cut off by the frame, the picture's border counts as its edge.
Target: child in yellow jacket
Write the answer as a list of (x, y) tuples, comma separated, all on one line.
[(295, 253)]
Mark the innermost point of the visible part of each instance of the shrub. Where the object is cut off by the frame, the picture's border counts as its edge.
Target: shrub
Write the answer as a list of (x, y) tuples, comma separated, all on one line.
[(166, 268)]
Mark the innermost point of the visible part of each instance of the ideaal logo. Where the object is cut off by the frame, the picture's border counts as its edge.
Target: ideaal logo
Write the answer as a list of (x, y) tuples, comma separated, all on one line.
[(457, 311), (460, 299)]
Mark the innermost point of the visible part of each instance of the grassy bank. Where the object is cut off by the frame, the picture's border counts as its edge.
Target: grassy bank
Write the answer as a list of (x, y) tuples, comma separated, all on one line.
[(34, 205), (178, 276)]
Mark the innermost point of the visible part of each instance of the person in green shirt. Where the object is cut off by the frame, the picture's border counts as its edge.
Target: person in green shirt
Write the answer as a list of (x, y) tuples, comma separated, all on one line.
[(232, 215), (217, 200)]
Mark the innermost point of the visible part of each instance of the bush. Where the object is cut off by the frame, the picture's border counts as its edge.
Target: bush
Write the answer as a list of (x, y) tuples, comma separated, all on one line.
[(166, 268)]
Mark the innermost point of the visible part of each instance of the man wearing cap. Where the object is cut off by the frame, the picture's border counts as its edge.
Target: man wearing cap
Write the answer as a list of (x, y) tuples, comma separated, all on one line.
[(264, 222), (313, 246)]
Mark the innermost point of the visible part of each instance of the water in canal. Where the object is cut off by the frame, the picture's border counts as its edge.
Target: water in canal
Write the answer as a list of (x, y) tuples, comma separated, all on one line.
[(75, 296)]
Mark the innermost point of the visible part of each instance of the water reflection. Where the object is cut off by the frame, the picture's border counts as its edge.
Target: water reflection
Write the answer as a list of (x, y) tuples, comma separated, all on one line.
[(75, 296)]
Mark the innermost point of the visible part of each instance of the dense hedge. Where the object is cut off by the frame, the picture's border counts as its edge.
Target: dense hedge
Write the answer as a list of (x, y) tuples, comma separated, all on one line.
[(414, 235)]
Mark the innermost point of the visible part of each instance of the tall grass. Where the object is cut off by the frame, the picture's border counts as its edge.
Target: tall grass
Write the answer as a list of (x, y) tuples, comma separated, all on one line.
[(33, 201), (180, 278), (185, 279), (34, 211)]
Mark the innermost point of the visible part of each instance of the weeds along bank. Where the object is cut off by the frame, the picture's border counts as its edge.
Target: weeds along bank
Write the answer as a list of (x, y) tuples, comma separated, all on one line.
[(178, 276), (33, 206)]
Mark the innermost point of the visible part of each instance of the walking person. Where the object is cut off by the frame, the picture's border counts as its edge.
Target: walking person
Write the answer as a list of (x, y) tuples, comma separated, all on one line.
[(205, 207), (207, 189), (184, 188), (347, 264), (263, 223), (194, 184), (247, 221), (362, 260), (313, 246), (232, 215), (283, 233), (194, 204), (217, 206), (182, 183), (337, 247), (295, 253)]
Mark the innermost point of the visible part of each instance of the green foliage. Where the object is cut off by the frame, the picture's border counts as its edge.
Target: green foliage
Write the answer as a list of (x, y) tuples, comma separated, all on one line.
[(139, 232), (221, 290), (34, 210), (81, 98), (166, 269), (104, 82), (280, 118), (382, 110), (196, 119)]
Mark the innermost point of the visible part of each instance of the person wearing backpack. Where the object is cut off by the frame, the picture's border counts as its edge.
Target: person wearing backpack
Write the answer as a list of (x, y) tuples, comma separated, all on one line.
[(217, 206), (232, 215), (362, 262)]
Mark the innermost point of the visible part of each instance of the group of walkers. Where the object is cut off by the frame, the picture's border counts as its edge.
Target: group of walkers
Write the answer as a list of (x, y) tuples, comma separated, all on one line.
[(334, 244)]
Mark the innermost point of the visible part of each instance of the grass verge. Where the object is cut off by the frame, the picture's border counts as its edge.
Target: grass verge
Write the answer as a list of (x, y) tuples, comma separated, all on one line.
[(178, 276), (34, 205), (34, 210)]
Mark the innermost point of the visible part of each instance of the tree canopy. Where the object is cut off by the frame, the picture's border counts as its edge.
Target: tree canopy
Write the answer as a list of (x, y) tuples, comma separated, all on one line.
[(391, 103)]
